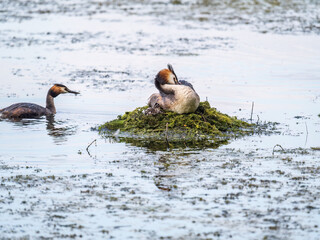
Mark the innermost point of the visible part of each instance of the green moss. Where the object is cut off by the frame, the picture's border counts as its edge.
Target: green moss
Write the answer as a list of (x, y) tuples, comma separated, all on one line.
[(206, 124)]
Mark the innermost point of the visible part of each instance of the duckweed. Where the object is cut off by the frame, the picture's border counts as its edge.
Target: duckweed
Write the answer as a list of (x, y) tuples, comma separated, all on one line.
[(205, 127)]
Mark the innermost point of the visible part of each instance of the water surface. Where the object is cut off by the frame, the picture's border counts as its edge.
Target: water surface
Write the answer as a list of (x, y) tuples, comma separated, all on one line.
[(266, 52)]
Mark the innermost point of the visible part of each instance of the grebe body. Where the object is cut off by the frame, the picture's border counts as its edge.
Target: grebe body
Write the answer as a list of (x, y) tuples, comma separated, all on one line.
[(31, 110), (176, 96)]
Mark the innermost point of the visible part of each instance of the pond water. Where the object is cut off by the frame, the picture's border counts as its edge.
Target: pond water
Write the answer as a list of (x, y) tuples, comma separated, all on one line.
[(234, 53)]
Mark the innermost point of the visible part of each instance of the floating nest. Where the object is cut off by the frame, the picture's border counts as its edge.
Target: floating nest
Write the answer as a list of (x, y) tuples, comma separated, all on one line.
[(204, 128)]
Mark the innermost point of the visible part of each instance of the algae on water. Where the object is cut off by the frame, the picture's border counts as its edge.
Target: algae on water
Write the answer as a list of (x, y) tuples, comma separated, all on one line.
[(205, 127)]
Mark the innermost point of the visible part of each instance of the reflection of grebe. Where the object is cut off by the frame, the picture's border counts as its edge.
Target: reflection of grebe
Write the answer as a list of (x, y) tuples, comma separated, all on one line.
[(31, 110), (175, 96), (60, 130)]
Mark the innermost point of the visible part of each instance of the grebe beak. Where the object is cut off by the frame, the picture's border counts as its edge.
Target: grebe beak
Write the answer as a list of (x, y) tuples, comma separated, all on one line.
[(176, 81), (70, 91)]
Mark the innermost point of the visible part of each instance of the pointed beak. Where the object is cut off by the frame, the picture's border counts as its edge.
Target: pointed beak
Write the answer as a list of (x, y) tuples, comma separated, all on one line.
[(70, 91), (176, 81)]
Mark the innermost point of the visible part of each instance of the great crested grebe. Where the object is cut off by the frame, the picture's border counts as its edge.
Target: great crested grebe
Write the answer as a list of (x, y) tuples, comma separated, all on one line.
[(31, 110), (176, 96)]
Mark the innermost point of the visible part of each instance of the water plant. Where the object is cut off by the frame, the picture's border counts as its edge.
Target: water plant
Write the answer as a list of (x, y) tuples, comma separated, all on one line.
[(205, 127)]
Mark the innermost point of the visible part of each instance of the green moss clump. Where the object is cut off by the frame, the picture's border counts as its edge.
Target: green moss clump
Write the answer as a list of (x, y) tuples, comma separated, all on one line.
[(205, 124)]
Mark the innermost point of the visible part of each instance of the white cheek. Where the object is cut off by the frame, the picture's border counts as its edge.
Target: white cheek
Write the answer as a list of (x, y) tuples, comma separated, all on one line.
[(171, 81)]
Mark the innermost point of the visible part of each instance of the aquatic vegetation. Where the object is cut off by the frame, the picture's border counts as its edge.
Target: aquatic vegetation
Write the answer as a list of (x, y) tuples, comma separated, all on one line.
[(205, 127)]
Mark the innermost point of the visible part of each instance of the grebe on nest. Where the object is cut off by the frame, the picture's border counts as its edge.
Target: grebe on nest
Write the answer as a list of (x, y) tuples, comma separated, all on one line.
[(176, 96), (31, 110)]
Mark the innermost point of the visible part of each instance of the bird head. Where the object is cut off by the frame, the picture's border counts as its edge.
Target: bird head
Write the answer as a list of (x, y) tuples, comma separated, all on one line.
[(57, 89), (167, 76)]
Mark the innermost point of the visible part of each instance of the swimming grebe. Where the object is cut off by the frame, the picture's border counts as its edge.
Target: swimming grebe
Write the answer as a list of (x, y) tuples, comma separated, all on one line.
[(31, 110), (176, 96)]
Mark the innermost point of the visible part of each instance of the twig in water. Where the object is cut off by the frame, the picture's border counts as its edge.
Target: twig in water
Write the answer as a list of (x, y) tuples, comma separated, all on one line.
[(166, 134), (307, 134), (306, 128), (204, 119), (277, 145), (258, 119), (251, 111), (90, 145)]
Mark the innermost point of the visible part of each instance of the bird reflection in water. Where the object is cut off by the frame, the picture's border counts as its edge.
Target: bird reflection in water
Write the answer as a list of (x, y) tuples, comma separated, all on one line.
[(166, 178), (59, 130)]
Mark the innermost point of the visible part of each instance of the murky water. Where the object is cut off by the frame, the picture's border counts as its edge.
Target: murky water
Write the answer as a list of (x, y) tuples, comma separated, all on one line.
[(234, 53)]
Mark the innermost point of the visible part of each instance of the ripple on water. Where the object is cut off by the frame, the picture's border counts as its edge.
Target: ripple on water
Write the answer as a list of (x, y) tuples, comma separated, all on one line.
[(51, 187), (262, 15)]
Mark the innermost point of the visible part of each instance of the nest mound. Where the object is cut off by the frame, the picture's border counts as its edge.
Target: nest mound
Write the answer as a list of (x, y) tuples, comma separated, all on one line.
[(206, 124)]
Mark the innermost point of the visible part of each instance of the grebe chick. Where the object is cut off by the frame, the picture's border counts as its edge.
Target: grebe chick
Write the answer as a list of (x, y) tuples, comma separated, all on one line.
[(175, 96), (31, 110)]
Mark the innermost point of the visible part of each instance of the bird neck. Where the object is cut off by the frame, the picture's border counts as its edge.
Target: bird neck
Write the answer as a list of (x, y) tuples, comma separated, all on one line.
[(50, 103), (166, 88)]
